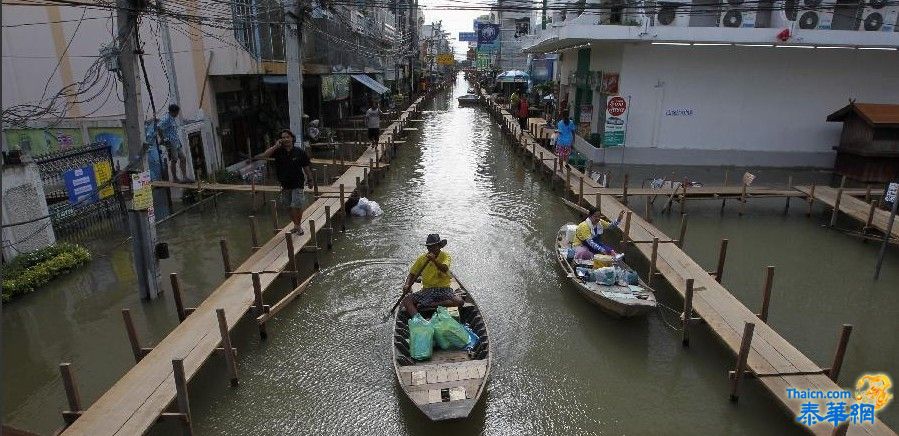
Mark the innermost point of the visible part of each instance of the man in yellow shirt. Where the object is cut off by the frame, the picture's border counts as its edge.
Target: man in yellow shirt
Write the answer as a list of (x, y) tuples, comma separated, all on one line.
[(433, 267), (588, 236)]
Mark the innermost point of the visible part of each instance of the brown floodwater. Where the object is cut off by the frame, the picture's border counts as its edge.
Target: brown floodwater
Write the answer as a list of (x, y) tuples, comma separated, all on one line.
[(560, 365)]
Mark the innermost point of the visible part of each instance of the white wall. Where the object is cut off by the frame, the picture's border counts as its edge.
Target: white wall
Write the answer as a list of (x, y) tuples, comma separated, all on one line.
[(748, 98)]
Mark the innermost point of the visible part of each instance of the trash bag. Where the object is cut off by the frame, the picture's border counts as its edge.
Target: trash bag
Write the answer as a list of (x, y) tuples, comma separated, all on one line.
[(473, 338), (366, 207), (421, 338), (627, 277), (449, 334)]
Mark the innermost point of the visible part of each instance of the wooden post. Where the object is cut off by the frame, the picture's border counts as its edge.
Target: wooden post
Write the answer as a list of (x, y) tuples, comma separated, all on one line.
[(371, 172), (226, 344), (253, 194), (811, 200), (737, 374), (567, 181), (182, 399), (836, 206), (726, 170), (624, 188), (314, 239), (766, 293), (626, 234), (688, 314), (871, 209), (291, 259), (867, 192), (742, 200), (226, 258), (647, 215), (253, 236), (342, 212), (366, 176), (68, 382), (599, 202), (683, 231), (834, 371), (314, 182), (789, 186), (652, 260), (275, 228), (328, 227), (580, 190), (541, 161), (176, 293), (132, 336), (325, 175), (358, 186), (722, 254), (260, 306)]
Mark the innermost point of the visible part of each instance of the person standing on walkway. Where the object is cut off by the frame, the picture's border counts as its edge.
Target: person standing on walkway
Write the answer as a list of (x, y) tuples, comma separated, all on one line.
[(523, 112), (168, 130), (373, 122), (565, 138), (292, 168)]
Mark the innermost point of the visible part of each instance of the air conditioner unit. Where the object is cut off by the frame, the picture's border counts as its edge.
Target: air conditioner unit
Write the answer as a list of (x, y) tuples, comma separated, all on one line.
[(672, 14), (877, 16), (784, 14), (815, 14), (738, 13)]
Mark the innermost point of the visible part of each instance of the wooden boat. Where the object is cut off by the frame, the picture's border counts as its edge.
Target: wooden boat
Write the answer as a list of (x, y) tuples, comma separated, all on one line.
[(449, 385), (468, 99), (620, 301)]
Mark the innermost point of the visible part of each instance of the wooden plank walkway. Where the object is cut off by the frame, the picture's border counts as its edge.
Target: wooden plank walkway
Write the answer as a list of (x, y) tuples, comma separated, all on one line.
[(853, 207), (138, 399), (716, 191), (775, 363)]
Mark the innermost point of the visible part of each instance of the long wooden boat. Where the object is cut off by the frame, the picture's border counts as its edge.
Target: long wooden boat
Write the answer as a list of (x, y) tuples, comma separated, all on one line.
[(449, 385), (620, 301), (468, 99)]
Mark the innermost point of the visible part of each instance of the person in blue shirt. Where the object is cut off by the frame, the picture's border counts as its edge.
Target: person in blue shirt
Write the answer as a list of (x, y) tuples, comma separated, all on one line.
[(168, 134), (565, 129)]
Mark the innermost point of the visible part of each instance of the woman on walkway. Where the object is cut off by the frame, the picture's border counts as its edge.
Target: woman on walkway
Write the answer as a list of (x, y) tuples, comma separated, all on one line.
[(565, 137)]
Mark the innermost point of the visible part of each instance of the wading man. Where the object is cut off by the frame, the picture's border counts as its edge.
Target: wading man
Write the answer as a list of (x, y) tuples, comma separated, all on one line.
[(433, 267), (292, 168)]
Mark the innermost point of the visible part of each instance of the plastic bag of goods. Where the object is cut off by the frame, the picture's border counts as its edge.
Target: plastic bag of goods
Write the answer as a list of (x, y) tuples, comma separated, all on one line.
[(586, 274), (602, 261), (448, 333), (570, 229), (374, 209), (627, 277), (606, 276), (473, 338), (421, 338)]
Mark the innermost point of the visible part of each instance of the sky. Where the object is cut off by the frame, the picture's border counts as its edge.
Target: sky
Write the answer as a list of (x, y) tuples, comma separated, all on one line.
[(453, 22)]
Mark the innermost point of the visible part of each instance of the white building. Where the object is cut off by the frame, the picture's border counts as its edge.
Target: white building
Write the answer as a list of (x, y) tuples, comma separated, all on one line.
[(705, 95)]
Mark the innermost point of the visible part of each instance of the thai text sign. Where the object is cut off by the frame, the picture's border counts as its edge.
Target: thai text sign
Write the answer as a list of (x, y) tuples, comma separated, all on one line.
[(142, 191), (81, 185), (616, 122)]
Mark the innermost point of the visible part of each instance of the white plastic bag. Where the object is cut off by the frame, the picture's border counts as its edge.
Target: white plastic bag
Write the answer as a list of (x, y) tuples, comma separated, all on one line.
[(366, 207)]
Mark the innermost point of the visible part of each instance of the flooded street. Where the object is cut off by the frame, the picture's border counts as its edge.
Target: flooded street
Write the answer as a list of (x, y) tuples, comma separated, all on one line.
[(560, 366)]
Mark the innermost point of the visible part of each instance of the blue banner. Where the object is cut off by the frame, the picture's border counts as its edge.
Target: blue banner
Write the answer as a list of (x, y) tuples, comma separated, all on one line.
[(81, 185), (487, 33), (468, 36)]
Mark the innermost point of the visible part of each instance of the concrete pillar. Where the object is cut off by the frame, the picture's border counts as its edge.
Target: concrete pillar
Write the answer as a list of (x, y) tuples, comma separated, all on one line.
[(24, 200)]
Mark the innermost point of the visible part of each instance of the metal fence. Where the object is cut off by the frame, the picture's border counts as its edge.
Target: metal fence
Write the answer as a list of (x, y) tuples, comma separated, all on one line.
[(87, 218)]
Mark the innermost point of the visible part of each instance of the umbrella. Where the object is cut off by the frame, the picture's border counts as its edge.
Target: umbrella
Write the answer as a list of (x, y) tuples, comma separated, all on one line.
[(512, 76)]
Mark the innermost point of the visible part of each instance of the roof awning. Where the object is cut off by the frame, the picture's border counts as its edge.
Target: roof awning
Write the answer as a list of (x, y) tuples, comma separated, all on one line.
[(370, 83)]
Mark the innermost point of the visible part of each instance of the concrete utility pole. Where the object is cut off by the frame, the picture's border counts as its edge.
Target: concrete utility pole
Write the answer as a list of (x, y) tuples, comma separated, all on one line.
[(887, 235), (169, 56), (141, 224), (294, 13)]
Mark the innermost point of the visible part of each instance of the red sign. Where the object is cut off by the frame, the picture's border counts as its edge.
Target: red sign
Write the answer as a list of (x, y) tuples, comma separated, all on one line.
[(617, 106)]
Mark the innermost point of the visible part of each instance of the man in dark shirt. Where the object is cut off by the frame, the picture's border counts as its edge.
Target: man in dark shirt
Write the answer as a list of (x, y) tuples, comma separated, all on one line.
[(292, 168)]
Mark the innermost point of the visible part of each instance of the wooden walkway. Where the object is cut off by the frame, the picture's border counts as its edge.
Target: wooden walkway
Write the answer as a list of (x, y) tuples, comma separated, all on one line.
[(853, 207), (773, 361), (141, 396)]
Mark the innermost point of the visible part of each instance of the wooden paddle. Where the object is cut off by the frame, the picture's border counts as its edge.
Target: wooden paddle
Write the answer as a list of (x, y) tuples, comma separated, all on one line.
[(403, 295)]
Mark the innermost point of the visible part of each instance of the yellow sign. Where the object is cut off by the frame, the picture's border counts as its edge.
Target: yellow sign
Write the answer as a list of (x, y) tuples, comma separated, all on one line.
[(103, 176), (445, 59), (874, 389), (142, 197)]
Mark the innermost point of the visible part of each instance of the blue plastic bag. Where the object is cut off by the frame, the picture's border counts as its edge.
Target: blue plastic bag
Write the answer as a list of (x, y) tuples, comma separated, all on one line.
[(421, 338), (449, 334), (473, 338)]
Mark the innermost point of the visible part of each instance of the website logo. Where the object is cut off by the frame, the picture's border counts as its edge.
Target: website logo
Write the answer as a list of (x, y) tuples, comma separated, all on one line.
[(872, 394)]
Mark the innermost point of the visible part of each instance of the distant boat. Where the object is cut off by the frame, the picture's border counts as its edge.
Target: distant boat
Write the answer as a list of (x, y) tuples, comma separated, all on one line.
[(617, 300), (468, 99), (448, 385)]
